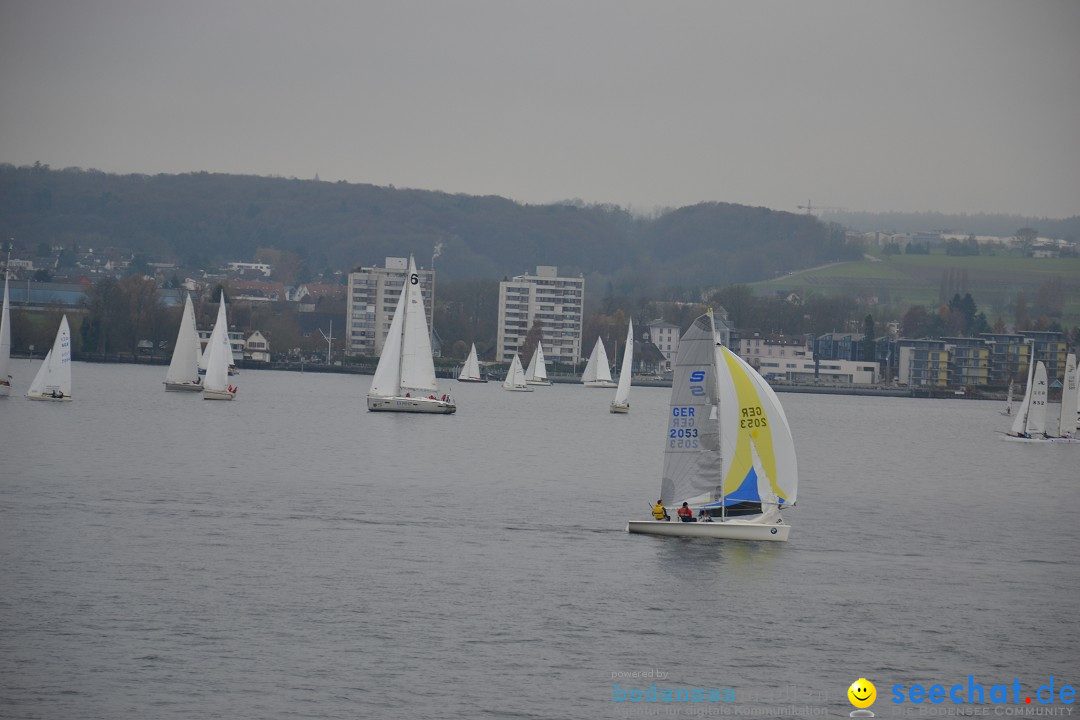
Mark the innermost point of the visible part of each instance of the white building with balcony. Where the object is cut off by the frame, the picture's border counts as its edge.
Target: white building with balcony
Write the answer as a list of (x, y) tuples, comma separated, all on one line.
[(373, 297), (555, 301)]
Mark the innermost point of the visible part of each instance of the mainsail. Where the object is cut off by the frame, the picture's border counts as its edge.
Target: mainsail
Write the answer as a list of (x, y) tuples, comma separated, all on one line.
[(622, 394), (692, 460)]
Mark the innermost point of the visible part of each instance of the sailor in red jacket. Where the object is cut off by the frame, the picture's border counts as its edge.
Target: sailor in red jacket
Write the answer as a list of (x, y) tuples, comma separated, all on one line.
[(686, 514)]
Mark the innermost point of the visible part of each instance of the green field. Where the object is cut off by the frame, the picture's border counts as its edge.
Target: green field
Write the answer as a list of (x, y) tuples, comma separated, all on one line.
[(893, 282)]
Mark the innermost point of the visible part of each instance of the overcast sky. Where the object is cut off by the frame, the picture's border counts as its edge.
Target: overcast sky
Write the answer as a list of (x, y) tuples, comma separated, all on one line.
[(952, 105)]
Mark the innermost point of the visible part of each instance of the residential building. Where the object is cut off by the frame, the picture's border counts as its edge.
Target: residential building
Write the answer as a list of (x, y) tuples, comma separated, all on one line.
[(556, 302), (840, 346), (923, 363), (969, 362), (1008, 358), (257, 348), (236, 342), (373, 294), (1050, 348), (793, 360), (665, 336), (250, 267)]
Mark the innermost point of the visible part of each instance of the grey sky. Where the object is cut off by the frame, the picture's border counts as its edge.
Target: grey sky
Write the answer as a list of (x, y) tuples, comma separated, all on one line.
[(955, 105)]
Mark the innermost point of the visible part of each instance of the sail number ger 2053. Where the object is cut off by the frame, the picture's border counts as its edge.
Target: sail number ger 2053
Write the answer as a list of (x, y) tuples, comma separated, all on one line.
[(682, 435)]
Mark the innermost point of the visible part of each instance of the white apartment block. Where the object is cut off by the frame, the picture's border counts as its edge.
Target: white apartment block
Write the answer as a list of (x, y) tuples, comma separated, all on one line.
[(665, 336), (373, 297), (555, 301), (792, 360)]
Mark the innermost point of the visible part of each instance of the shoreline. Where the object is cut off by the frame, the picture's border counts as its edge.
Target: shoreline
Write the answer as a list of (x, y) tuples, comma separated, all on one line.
[(451, 374)]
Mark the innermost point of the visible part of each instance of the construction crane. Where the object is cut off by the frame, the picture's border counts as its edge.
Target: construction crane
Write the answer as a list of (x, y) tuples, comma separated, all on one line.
[(809, 207)]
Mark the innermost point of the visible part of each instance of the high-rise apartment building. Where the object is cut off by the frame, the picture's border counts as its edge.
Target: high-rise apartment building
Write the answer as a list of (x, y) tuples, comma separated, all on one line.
[(555, 301), (373, 297)]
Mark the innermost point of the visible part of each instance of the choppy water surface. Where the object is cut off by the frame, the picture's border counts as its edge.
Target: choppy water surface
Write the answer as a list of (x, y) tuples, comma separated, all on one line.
[(292, 555)]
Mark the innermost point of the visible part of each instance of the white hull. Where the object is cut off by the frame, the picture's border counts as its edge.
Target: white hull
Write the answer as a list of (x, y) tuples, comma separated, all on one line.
[(217, 395), (620, 408), (183, 387), (5, 390), (538, 382), (471, 380), (734, 529), (1041, 439), (600, 384), (410, 404), (44, 396), (518, 389)]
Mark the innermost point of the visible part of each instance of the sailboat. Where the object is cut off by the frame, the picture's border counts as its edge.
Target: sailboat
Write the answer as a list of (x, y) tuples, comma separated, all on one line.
[(405, 376), (218, 357), (1030, 425), (1009, 401), (53, 379), (5, 343), (537, 372), (621, 403), (470, 372), (728, 447), (597, 371), (183, 373), (515, 377)]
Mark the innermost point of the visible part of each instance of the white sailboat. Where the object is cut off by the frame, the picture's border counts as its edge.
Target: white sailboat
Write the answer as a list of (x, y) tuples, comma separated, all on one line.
[(5, 343), (53, 379), (536, 374), (1070, 398), (1030, 425), (183, 373), (515, 377), (470, 372), (621, 403), (405, 377), (1009, 401), (218, 355), (597, 370), (728, 447)]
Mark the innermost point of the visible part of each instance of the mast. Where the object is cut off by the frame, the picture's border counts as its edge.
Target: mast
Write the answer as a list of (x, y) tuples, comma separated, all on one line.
[(719, 429), (404, 320)]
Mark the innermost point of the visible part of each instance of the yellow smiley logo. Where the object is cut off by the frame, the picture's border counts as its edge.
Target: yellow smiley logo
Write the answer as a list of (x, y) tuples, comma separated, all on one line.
[(862, 693)]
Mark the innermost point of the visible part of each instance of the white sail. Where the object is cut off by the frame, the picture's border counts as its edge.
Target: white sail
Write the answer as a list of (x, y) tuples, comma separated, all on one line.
[(387, 380), (597, 371), (184, 366), (471, 369), (53, 378), (5, 343), (753, 423), (1067, 422), (417, 365), (693, 464), (405, 376), (622, 395), (1036, 421), (536, 374), (515, 376), (1019, 426), (218, 357)]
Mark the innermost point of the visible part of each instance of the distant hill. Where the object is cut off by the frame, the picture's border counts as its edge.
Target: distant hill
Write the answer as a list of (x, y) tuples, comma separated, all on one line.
[(202, 220), (998, 225)]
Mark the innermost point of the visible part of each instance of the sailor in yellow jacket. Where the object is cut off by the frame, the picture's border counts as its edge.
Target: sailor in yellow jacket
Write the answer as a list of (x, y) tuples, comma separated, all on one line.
[(659, 512)]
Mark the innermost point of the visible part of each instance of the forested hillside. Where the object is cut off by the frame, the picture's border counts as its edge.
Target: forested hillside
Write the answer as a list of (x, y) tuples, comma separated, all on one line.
[(202, 220)]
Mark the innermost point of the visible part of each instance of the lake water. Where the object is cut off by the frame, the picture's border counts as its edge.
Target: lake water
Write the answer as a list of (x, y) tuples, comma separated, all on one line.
[(292, 555)]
